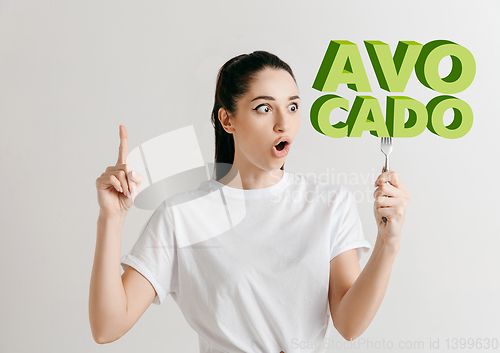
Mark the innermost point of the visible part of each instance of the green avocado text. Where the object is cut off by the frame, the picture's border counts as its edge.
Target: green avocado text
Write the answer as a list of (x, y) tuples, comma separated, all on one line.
[(342, 64)]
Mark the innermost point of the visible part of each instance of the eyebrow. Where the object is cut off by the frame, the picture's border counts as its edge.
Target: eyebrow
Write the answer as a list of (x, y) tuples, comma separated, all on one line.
[(272, 99)]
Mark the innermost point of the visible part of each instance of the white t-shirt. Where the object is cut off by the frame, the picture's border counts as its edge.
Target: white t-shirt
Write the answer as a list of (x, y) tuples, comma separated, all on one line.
[(249, 269)]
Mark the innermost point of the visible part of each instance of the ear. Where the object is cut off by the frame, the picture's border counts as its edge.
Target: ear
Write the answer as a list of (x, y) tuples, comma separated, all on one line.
[(225, 120)]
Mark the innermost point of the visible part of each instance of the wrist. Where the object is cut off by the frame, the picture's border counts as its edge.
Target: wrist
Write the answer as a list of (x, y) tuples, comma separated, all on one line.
[(391, 245), (118, 217)]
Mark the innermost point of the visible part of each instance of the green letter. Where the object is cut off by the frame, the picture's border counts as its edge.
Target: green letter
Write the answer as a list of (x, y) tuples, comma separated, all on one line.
[(462, 122), (320, 115), (393, 74), (417, 120), (342, 64), (462, 72), (366, 115)]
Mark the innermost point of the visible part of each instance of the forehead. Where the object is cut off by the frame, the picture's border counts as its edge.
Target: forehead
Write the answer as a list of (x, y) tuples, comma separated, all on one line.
[(272, 82)]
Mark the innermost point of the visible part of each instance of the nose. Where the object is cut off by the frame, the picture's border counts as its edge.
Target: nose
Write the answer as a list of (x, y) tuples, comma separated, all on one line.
[(281, 123)]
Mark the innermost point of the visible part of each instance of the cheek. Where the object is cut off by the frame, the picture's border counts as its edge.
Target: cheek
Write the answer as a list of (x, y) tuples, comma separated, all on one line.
[(253, 139), (295, 124), (298, 119), (253, 133)]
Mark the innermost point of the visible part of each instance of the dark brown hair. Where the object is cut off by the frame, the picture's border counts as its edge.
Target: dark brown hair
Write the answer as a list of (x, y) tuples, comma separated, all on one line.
[(233, 81)]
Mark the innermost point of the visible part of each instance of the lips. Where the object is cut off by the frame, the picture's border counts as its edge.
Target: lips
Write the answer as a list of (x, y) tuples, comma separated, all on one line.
[(281, 139), (281, 147)]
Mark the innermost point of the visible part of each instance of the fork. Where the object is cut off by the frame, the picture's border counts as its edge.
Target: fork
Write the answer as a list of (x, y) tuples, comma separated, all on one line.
[(386, 148)]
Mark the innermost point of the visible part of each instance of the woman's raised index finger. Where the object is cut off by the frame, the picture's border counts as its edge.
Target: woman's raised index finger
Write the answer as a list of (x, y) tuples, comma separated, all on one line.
[(123, 150)]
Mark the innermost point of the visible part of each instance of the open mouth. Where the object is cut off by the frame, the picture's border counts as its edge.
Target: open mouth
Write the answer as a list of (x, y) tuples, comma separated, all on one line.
[(281, 145)]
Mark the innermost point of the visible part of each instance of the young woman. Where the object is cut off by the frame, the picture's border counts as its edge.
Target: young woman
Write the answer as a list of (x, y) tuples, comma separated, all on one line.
[(263, 268)]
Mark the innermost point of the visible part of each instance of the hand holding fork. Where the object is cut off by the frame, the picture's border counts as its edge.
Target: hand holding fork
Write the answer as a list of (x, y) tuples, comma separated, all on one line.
[(390, 201)]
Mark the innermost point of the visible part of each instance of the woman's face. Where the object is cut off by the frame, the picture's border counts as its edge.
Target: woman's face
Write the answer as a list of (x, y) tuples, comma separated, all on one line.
[(268, 112)]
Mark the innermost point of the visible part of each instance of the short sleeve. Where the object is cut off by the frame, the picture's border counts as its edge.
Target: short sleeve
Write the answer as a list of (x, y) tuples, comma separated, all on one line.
[(154, 254), (348, 233)]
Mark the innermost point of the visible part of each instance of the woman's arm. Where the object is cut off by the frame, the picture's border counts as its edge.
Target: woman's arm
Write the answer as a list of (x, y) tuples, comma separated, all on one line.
[(107, 294), (356, 297), (107, 299), (354, 300)]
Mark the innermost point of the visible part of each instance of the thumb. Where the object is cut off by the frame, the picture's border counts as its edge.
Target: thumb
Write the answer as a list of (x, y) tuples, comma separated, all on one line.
[(134, 176), (136, 180)]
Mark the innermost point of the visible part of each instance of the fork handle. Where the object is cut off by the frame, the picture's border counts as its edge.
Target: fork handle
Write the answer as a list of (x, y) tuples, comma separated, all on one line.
[(386, 169)]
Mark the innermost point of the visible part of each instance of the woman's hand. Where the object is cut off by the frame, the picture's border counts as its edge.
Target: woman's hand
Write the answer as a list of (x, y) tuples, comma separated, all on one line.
[(117, 187), (391, 201)]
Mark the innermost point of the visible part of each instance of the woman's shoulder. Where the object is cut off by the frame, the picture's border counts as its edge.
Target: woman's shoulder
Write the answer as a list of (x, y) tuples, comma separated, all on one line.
[(185, 196)]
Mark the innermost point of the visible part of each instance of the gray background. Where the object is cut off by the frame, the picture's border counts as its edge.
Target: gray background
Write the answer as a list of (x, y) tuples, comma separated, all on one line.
[(71, 72)]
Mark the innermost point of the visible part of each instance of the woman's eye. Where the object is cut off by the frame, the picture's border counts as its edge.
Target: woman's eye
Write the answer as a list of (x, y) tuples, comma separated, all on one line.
[(293, 107), (262, 108)]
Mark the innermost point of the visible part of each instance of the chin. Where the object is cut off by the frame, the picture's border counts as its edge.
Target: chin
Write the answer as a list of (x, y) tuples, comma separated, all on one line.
[(273, 164), (277, 166)]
